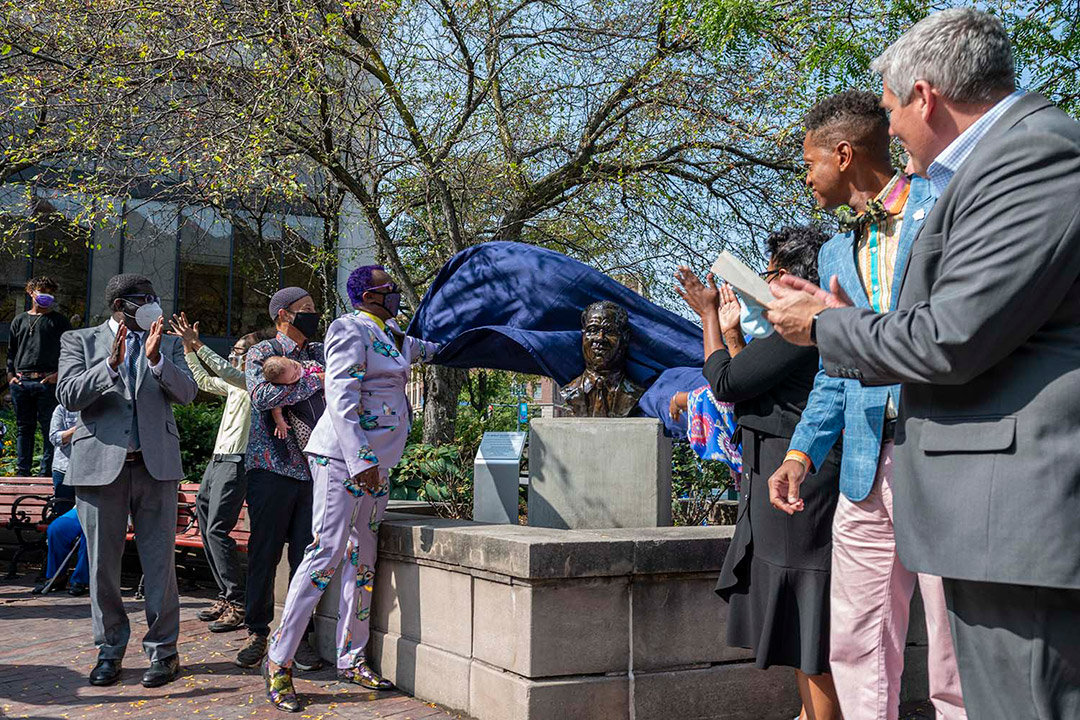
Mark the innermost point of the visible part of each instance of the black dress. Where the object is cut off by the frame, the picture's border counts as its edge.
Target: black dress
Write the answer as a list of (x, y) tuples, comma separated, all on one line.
[(776, 573)]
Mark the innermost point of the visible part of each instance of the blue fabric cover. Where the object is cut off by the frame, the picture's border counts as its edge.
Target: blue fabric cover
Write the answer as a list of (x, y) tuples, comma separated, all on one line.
[(511, 306)]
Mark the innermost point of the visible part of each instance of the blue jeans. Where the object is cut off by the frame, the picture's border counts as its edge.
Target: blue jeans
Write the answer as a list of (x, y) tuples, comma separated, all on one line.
[(65, 494), (63, 533), (34, 403)]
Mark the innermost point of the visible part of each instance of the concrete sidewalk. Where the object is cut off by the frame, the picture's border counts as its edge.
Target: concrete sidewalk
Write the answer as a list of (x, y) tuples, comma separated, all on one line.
[(46, 653)]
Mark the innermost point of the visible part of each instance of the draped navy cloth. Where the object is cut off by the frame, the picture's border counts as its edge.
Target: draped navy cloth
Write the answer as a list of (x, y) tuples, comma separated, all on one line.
[(511, 306)]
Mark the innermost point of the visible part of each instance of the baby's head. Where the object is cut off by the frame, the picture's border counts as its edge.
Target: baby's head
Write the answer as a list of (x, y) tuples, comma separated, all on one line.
[(281, 370)]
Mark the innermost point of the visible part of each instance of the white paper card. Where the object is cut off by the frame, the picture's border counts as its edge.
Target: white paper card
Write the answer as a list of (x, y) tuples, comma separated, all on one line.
[(745, 281)]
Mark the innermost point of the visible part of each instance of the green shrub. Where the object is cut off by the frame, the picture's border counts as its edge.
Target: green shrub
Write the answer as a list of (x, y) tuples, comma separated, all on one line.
[(198, 426), (437, 474), (8, 459), (696, 485)]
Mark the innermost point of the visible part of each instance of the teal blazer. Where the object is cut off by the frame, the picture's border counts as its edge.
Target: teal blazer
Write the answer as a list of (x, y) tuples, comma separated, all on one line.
[(845, 406)]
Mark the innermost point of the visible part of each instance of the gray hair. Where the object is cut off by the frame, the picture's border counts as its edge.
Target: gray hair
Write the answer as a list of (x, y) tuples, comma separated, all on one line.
[(965, 54)]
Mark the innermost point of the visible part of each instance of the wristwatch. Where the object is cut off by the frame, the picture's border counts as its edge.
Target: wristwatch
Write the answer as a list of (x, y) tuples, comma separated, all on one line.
[(813, 328)]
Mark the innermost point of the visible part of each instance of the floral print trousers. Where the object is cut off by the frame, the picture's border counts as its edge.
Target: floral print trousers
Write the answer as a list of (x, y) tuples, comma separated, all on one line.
[(345, 534)]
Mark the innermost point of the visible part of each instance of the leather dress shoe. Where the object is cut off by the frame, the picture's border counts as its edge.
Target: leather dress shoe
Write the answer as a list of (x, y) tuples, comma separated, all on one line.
[(161, 672), (106, 672)]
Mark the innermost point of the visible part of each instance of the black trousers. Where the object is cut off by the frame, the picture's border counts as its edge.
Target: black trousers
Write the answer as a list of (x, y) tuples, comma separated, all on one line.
[(221, 496), (1017, 648), (34, 403), (279, 511)]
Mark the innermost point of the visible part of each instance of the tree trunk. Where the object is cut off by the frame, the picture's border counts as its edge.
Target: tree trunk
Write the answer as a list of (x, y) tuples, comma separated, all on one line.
[(442, 386)]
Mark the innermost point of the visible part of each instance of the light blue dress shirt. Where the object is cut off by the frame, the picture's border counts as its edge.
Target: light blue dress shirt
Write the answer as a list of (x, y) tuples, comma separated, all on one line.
[(946, 164)]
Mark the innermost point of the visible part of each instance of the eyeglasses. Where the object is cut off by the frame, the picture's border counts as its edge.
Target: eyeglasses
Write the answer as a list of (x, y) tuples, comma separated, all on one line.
[(392, 287), (141, 298), (770, 275)]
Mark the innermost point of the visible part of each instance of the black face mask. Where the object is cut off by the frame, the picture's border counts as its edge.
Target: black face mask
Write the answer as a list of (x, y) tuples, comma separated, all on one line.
[(307, 323)]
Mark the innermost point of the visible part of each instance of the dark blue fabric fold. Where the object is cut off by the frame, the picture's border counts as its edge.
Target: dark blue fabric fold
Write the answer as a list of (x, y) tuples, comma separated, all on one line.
[(511, 306)]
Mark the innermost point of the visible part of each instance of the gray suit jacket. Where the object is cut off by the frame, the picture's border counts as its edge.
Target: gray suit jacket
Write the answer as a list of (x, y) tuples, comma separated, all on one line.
[(100, 442), (986, 342)]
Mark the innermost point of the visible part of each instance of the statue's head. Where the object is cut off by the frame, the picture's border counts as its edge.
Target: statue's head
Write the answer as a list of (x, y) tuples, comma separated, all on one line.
[(605, 336)]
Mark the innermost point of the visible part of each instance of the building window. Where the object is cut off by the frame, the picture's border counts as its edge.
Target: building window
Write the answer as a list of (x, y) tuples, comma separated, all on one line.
[(205, 255), (61, 251), (263, 263)]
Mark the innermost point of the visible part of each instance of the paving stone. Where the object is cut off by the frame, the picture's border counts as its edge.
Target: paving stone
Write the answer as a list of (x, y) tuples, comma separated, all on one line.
[(47, 653)]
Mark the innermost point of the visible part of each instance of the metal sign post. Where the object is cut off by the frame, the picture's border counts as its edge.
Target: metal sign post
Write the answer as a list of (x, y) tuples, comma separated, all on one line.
[(495, 477)]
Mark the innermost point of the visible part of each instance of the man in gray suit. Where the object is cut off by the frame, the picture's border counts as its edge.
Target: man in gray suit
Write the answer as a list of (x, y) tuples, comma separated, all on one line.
[(986, 342), (122, 378)]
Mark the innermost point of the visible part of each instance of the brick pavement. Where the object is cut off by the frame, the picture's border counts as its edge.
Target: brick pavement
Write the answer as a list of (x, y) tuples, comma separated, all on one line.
[(46, 653)]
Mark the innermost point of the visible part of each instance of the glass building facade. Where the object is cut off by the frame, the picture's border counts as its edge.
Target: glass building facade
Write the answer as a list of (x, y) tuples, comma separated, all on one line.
[(219, 273)]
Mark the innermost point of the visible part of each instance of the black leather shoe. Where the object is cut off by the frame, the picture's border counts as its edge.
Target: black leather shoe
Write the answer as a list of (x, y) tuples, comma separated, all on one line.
[(106, 672), (161, 672), (77, 589)]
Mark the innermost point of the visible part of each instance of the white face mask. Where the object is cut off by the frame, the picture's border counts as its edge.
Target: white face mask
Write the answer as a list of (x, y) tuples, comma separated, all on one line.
[(146, 315)]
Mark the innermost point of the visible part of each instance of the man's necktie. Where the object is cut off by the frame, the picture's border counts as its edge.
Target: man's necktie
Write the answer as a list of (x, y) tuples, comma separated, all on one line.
[(133, 361), (133, 377)]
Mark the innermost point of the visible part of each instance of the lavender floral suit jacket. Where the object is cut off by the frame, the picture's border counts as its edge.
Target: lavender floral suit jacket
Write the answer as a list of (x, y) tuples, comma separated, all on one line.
[(367, 415)]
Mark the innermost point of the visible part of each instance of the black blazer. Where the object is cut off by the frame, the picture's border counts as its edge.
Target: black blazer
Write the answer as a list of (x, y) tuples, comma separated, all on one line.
[(768, 382)]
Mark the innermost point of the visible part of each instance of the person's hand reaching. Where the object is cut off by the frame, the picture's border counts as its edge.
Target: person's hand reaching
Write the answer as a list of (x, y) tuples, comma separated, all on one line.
[(186, 331), (701, 299)]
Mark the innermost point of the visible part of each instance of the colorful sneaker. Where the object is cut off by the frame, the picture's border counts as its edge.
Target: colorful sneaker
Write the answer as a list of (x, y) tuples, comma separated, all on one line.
[(364, 676), (279, 688), (213, 612)]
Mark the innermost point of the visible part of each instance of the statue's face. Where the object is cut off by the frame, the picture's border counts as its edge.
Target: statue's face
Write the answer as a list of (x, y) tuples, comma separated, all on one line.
[(602, 339)]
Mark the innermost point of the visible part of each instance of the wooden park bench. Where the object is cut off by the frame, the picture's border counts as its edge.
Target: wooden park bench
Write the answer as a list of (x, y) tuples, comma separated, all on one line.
[(188, 537), (27, 506)]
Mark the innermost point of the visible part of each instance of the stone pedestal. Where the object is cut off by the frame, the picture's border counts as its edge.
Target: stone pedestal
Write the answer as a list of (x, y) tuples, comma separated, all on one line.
[(595, 473), (505, 622)]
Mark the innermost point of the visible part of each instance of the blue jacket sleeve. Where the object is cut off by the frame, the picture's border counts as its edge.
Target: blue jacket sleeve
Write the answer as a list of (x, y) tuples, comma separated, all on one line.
[(822, 420)]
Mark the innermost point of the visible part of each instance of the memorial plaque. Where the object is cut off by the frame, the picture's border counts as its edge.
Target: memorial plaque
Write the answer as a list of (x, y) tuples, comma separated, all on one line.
[(502, 446), (495, 477)]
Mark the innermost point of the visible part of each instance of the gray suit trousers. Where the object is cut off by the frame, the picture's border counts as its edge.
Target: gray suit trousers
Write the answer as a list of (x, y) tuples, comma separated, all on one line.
[(1017, 648), (103, 512)]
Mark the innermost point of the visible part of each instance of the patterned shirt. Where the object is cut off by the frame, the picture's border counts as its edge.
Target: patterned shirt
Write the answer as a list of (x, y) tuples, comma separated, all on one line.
[(878, 243), (265, 451), (950, 159), (875, 252)]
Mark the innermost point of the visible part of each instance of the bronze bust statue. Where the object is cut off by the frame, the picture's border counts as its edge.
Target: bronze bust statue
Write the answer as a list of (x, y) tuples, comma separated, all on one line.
[(603, 390)]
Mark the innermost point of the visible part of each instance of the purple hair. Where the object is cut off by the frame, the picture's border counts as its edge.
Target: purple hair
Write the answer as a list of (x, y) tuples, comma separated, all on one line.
[(360, 282)]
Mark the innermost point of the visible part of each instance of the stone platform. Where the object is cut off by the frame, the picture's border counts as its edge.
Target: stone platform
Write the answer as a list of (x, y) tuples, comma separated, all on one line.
[(520, 623)]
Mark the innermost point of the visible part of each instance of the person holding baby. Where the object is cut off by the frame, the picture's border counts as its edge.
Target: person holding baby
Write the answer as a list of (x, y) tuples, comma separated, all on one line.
[(279, 492)]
